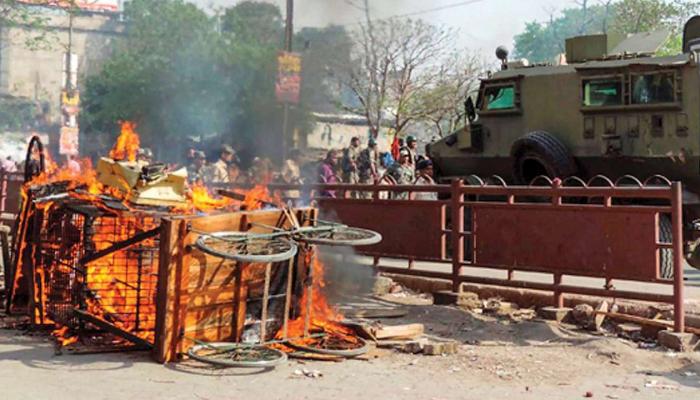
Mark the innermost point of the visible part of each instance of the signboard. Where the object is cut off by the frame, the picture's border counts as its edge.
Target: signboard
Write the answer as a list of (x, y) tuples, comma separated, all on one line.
[(288, 85), (68, 143)]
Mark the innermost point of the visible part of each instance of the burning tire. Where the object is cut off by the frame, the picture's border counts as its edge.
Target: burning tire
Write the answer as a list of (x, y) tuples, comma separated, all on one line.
[(234, 355), (339, 236), (334, 350), (247, 248)]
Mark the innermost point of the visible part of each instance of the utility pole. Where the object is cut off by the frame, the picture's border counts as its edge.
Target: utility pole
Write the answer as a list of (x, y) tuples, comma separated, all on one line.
[(288, 37)]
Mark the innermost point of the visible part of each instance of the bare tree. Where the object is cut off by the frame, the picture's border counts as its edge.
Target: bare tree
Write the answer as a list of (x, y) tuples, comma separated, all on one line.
[(442, 103), (395, 61)]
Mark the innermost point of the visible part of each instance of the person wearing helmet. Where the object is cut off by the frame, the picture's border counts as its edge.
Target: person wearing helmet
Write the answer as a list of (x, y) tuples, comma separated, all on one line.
[(218, 172), (424, 169), (403, 173), (412, 147), (368, 166), (196, 170)]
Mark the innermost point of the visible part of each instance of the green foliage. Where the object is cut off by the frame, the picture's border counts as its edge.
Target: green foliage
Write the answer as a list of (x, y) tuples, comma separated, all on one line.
[(255, 22), (634, 16), (176, 74), (543, 41)]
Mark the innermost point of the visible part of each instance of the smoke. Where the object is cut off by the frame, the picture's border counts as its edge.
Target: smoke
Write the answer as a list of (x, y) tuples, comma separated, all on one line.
[(320, 13), (346, 276)]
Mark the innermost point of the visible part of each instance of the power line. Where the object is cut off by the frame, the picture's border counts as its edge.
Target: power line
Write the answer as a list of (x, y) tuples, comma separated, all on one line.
[(436, 9), (419, 12)]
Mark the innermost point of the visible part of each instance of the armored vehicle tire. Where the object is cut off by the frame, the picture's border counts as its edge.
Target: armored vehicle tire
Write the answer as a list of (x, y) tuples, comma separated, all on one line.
[(539, 153)]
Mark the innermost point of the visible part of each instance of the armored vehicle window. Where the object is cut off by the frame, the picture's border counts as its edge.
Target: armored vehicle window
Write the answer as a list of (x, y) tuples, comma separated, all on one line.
[(602, 92), (499, 98), (653, 88)]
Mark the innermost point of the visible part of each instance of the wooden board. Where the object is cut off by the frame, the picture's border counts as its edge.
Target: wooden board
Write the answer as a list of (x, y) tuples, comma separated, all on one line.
[(201, 296)]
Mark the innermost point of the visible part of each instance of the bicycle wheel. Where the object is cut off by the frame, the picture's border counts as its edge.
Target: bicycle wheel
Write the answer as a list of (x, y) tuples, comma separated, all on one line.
[(245, 247), (225, 354), (334, 346), (339, 236)]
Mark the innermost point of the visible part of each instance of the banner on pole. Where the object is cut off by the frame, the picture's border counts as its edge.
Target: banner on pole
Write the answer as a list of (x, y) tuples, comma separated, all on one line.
[(288, 85), (68, 144)]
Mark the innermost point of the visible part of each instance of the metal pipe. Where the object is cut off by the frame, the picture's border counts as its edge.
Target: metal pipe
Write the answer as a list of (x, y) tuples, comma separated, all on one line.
[(678, 306), (457, 229), (265, 299)]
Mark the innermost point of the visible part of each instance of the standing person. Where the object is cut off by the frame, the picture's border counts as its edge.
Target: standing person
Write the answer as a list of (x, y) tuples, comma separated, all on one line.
[(72, 164), (326, 172), (291, 172), (218, 172), (368, 166), (9, 166), (196, 170), (351, 156), (412, 147), (403, 173), (424, 169)]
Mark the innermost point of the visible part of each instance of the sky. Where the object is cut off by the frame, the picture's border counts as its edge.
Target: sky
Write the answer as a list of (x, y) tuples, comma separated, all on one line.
[(483, 24)]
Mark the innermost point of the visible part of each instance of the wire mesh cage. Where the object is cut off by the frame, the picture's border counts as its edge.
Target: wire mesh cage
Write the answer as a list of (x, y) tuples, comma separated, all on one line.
[(100, 263)]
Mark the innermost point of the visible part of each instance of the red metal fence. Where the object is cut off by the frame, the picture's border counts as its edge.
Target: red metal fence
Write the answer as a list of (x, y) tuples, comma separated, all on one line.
[(617, 233)]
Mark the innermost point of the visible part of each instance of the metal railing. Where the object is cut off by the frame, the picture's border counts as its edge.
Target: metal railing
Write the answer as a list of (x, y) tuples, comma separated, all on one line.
[(619, 231)]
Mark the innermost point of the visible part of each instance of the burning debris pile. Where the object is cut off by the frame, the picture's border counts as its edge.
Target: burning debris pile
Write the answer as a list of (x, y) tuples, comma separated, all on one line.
[(109, 258)]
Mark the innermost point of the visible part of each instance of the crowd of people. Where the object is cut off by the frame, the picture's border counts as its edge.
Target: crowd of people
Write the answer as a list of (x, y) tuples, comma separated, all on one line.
[(354, 164)]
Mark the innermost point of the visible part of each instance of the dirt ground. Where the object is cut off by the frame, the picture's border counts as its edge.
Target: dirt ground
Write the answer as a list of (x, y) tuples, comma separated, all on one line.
[(498, 357)]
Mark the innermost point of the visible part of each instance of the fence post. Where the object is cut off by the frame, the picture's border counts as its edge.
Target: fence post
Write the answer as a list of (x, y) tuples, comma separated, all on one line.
[(677, 215), (457, 198)]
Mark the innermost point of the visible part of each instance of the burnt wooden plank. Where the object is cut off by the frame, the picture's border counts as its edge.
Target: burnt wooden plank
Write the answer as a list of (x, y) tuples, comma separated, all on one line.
[(164, 320)]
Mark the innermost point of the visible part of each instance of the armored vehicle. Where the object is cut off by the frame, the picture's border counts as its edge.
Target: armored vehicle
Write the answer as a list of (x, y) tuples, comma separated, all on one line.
[(610, 109)]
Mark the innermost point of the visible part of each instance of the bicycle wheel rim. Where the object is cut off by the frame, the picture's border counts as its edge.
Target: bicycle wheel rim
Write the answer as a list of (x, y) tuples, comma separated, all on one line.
[(365, 237), (280, 358), (202, 245), (334, 352)]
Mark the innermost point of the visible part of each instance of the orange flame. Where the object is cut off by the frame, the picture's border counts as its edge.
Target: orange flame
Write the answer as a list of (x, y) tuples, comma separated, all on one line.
[(63, 336), (202, 200), (321, 316), (127, 144)]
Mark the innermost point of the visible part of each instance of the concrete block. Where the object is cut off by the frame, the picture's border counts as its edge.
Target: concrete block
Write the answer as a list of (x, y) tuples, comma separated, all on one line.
[(677, 341), (555, 313), (439, 348)]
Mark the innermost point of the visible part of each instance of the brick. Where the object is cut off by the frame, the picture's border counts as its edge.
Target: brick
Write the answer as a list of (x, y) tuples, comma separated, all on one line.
[(439, 348), (677, 341)]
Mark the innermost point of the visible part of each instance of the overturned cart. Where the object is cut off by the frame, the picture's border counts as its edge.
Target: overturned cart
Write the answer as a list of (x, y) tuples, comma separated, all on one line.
[(106, 277)]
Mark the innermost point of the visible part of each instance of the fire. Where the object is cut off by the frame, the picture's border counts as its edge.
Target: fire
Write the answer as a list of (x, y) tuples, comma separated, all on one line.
[(127, 144), (202, 200), (321, 317), (63, 336), (255, 197)]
